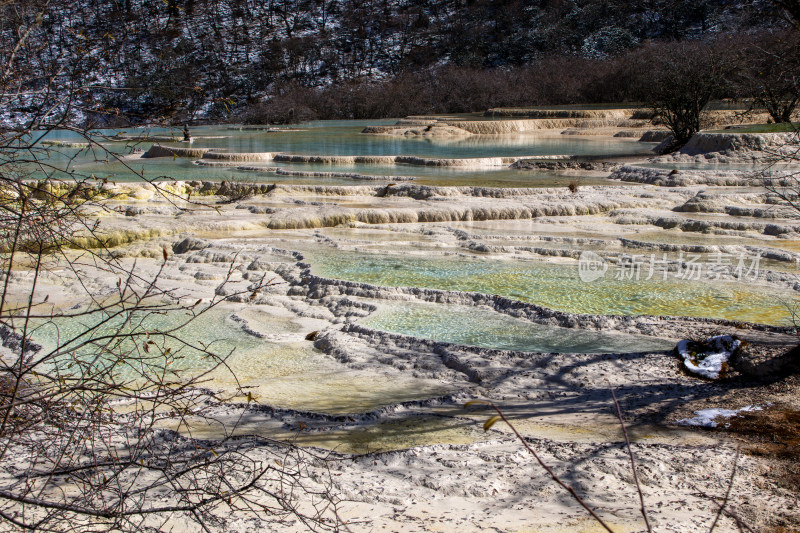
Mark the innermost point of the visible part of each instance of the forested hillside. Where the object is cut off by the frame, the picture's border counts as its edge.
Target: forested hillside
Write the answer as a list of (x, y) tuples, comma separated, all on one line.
[(211, 59)]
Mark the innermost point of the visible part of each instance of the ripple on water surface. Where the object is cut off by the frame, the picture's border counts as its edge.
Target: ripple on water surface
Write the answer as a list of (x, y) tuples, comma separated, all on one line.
[(342, 138), (283, 374), (488, 329), (558, 286)]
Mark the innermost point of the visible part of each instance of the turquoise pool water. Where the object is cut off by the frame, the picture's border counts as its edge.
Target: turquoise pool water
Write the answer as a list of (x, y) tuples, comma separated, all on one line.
[(345, 138), (283, 374), (88, 337), (337, 138), (558, 286), (488, 329)]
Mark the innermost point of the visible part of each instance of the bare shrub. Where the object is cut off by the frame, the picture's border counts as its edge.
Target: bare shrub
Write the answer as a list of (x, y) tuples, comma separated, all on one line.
[(96, 423)]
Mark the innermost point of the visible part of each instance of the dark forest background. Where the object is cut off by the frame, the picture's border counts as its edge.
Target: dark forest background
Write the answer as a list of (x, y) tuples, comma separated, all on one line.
[(290, 60)]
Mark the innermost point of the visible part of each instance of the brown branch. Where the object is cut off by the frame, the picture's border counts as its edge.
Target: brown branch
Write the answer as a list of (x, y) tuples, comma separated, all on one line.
[(642, 508), (727, 492), (549, 470)]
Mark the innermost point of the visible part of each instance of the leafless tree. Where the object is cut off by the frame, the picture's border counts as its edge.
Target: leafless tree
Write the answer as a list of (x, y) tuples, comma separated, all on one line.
[(779, 174), (770, 73), (678, 80), (785, 185), (96, 426)]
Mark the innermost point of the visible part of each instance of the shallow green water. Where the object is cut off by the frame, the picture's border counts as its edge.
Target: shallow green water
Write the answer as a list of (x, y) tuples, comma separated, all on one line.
[(339, 138), (488, 329), (282, 374), (87, 337), (185, 169), (558, 286), (345, 138)]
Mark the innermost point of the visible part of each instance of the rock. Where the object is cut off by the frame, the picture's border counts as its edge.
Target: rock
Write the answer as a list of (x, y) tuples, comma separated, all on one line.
[(664, 146), (767, 362), (703, 143), (168, 151), (132, 211), (655, 136), (189, 244)]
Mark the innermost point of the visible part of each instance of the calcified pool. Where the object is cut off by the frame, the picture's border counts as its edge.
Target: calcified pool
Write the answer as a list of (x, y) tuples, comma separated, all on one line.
[(345, 138), (558, 286), (489, 329), (333, 138), (283, 371), (389, 308), (352, 362), (89, 334)]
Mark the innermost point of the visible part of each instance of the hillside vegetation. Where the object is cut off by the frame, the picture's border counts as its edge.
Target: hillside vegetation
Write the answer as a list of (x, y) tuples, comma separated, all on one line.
[(288, 60)]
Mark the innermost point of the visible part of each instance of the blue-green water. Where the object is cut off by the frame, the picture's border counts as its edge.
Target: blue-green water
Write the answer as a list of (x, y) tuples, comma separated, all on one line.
[(283, 374), (558, 286), (144, 337), (345, 138), (487, 329), (338, 138)]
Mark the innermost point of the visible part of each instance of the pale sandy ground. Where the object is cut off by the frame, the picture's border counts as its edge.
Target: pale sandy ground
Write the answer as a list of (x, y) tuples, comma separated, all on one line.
[(453, 476)]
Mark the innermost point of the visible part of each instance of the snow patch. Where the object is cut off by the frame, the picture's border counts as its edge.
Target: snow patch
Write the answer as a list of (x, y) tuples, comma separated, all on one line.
[(707, 417), (709, 358)]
